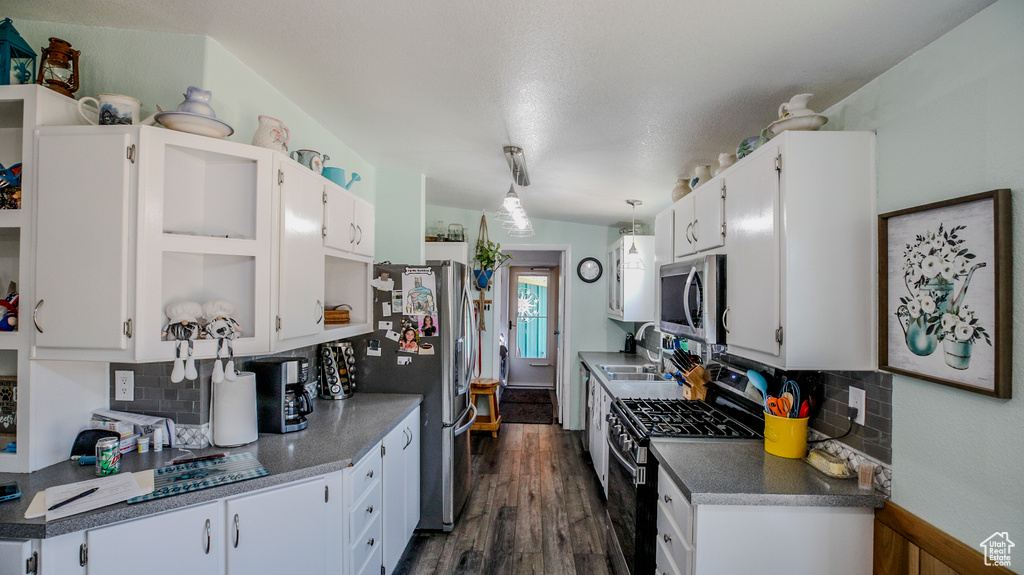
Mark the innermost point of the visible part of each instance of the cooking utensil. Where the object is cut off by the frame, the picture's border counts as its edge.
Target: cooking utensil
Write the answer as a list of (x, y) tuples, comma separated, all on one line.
[(805, 410), (760, 383), (778, 406), (792, 391)]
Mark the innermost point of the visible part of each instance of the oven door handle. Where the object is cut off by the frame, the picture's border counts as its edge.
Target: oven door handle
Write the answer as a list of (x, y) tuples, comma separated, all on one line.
[(634, 469)]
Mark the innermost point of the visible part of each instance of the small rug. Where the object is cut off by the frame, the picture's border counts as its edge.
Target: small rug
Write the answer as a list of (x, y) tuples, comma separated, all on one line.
[(527, 406)]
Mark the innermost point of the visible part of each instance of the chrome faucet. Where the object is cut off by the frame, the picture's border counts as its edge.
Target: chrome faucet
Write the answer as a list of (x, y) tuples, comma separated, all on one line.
[(640, 338)]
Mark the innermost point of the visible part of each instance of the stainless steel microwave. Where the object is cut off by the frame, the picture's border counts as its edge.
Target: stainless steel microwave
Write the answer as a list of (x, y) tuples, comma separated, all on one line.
[(693, 298)]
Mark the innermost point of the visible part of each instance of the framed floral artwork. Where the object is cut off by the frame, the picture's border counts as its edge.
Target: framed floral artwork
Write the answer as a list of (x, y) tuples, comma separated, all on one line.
[(945, 293)]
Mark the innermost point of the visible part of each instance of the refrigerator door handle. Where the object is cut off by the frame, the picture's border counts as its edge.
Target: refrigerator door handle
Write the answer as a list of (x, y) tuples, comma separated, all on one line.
[(472, 419), (469, 355)]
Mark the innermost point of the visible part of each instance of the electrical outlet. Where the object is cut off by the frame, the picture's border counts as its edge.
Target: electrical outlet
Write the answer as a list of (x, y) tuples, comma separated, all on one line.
[(858, 399), (124, 385)]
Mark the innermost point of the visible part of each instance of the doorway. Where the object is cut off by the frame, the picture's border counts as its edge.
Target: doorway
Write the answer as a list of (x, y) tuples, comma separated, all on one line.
[(533, 326)]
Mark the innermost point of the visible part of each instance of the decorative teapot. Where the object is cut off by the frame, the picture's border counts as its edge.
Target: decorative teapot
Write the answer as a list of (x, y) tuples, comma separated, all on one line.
[(796, 107), (311, 159)]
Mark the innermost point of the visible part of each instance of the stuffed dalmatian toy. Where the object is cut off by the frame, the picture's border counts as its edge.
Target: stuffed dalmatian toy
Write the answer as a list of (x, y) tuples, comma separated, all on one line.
[(223, 328), (183, 328)]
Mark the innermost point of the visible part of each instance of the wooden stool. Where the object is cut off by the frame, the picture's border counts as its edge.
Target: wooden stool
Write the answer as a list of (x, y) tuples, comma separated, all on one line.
[(492, 421)]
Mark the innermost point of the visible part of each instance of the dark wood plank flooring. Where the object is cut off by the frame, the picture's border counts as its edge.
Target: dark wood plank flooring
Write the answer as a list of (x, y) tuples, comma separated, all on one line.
[(535, 508)]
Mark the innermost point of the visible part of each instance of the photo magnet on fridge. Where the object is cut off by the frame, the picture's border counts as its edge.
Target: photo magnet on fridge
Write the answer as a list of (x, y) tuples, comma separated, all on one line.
[(373, 348), (428, 326), (385, 325), (409, 342), (396, 299), (404, 360)]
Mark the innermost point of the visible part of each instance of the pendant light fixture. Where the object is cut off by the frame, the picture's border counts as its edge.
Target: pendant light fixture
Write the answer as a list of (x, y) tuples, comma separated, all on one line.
[(633, 261), (511, 213)]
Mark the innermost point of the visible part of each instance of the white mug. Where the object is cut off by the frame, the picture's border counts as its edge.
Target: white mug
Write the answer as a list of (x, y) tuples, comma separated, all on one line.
[(111, 110)]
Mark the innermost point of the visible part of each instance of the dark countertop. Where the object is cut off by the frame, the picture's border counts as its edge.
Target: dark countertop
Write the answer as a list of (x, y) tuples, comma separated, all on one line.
[(741, 472), (668, 389), (730, 472), (339, 433)]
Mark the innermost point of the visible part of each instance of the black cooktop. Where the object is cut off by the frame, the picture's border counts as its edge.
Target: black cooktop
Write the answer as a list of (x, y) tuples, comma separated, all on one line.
[(682, 418)]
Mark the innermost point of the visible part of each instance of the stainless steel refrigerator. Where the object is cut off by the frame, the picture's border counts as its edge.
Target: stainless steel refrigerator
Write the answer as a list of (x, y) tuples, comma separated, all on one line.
[(440, 368)]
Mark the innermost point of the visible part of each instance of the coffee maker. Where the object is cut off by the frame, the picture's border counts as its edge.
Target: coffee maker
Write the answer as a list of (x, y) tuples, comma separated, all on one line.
[(282, 402)]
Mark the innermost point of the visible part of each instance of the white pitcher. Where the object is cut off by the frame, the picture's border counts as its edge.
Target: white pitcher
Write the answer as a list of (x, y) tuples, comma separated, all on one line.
[(796, 107)]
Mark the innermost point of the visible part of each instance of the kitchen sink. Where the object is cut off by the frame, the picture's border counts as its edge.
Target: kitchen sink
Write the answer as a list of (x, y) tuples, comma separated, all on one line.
[(635, 377)]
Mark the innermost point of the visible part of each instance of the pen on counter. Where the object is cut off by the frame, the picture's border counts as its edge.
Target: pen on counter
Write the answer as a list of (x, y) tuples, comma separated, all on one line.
[(85, 493)]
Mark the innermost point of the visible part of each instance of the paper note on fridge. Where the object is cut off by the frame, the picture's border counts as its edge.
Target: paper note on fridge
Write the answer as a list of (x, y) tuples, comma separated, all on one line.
[(404, 360), (392, 335), (385, 309), (385, 325), (383, 284)]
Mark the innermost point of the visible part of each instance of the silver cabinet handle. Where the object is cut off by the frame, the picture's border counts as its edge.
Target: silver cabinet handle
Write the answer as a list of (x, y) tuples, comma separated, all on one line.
[(369, 473), (236, 531), (39, 304), (725, 319), (688, 237), (694, 232), (320, 311), (371, 542), (667, 538), (351, 233), (207, 536), (668, 499), (359, 237), (369, 509)]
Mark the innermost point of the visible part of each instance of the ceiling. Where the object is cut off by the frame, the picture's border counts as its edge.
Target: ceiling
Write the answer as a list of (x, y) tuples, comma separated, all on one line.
[(610, 99)]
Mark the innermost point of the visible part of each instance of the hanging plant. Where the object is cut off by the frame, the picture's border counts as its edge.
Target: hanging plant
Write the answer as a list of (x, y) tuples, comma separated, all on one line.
[(488, 258)]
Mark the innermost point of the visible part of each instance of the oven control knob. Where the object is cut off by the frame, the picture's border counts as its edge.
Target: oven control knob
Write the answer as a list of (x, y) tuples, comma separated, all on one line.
[(627, 444), (617, 429)]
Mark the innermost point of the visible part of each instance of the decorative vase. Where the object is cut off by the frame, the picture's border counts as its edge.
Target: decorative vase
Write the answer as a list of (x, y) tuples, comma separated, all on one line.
[(483, 278), (919, 341), (682, 188), (271, 133), (701, 174), (724, 161), (958, 353)]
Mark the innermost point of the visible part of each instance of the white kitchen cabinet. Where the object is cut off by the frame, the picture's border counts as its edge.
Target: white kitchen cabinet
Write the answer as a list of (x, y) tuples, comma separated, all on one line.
[(701, 539), (631, 291), (279, 530), (363, 529), (301, 277), (698, 219), (801, 253), (401, 487), (364, 221), (84, 257), (184, 541), (348, 221), (600, 407)]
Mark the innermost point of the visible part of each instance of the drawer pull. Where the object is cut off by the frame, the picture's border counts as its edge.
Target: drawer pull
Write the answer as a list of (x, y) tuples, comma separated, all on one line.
[(236, 531), (369, 509), (370, 542), (667, 499), (207, 537), (667, 538), (369, 473)]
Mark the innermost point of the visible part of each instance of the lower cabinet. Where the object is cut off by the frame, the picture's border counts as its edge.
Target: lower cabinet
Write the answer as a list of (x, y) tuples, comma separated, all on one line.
[(704, 539), (600, 404), (189, 540), (401, 493)]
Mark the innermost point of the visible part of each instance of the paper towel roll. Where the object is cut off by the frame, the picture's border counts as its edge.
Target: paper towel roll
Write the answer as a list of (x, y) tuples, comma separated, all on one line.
[(233, 413)]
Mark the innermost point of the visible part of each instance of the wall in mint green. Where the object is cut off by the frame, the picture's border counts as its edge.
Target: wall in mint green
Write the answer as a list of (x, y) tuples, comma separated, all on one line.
[(591, 330), (401, 197), (950, 123), (157, 67)]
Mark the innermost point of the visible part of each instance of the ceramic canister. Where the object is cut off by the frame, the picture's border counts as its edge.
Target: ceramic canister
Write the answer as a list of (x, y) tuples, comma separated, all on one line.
[(111, 110)]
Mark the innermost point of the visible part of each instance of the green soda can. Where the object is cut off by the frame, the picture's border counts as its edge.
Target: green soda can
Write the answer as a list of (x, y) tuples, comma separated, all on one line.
[(108, 456)]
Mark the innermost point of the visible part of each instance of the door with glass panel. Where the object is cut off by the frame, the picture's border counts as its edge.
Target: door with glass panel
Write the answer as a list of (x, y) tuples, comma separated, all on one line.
[(533, 326)]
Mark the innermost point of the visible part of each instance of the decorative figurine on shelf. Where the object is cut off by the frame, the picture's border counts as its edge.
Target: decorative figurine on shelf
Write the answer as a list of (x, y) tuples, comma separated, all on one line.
[(223, 328), (9, 321), (10, 187), (17, 59), (272, 133), (58, 68), (197, 101), (183, 328)]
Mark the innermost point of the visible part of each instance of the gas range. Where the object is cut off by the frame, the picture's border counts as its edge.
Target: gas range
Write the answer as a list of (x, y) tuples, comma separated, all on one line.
[(682, 418)]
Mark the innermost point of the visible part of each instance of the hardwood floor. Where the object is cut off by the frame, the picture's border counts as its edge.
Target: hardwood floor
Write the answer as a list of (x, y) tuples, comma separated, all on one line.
[(535, 508)]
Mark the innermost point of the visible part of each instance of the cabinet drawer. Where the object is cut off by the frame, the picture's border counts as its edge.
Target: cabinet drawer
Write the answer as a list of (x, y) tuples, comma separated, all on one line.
[(373, 563), (361, 476), (675, 504), (366, 545), (665, 565), (365, 510), (672, 540)]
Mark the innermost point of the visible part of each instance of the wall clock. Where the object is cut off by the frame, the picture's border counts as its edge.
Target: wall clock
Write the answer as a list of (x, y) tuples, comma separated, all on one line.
[(589, 270)]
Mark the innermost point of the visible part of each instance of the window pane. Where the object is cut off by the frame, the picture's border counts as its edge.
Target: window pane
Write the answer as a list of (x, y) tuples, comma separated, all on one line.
[(532, 337)]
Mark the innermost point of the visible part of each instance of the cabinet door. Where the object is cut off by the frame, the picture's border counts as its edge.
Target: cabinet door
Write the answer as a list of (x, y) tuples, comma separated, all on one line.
[(752, 214), (364, 228), (708, 205), (82, 241), (277, 531), (664, 238), (301, 297), (334, 524), (412, 475), (188, 539), (339, 219), (684, 243), (606, 405), (394, 477), (615, 280)]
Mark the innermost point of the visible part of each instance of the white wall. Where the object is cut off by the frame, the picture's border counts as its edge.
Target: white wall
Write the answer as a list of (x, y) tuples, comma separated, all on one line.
[(591, 329), (950, 123)]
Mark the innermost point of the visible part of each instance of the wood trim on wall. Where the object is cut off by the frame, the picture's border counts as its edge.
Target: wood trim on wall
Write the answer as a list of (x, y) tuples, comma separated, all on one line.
[(907, 544)]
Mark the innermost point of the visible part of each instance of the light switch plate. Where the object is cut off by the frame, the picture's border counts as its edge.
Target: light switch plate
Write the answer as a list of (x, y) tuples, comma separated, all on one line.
[(124, 385), (858, 399)]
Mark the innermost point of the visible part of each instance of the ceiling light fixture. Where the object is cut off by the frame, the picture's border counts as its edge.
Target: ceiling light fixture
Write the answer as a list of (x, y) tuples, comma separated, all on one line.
[(633, 261), (517, 163)]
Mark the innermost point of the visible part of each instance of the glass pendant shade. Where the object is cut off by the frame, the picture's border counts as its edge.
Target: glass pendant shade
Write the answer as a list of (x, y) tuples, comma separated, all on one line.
[(632, 260)]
